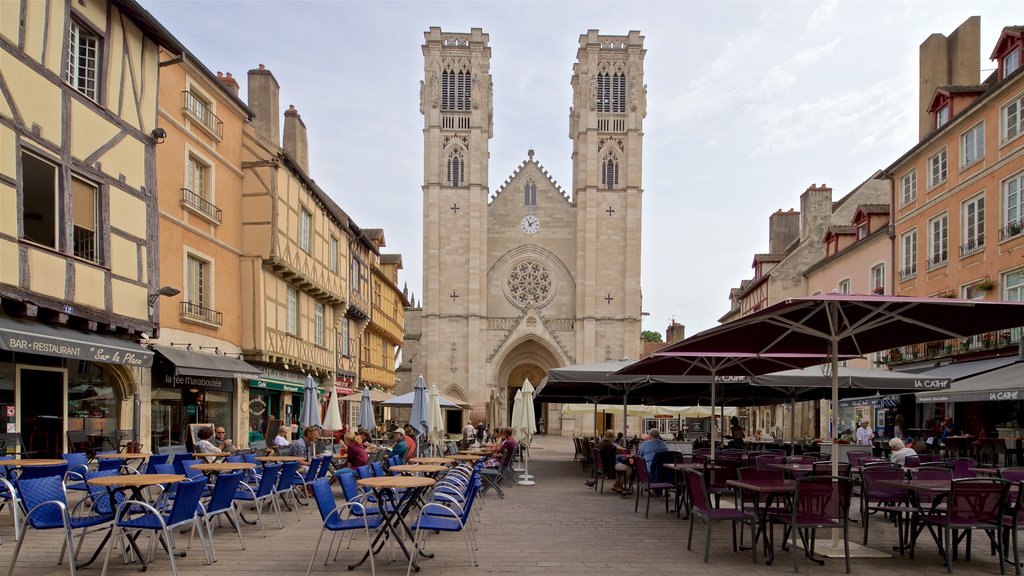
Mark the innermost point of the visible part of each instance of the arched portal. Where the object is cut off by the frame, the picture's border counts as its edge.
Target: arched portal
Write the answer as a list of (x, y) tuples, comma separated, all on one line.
[(530, 359)]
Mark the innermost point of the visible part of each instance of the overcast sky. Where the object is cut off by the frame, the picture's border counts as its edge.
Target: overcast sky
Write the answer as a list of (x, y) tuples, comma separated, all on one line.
[(749, 103)]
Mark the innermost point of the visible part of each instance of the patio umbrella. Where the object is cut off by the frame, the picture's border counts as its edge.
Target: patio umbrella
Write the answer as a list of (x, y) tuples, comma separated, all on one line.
[(524, 423), (435, 418), (332, 416), (419, 418), (407, 400), (310, 415), (494, 411), (366, 419)]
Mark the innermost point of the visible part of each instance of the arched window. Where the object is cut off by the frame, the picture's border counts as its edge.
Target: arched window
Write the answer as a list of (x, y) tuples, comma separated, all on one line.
[(456, 169), (456, 90), (611, 92), (530, 193), (610, 171)]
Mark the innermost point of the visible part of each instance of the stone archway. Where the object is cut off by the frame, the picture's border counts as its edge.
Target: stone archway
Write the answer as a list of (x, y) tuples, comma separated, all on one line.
[(530, 358)]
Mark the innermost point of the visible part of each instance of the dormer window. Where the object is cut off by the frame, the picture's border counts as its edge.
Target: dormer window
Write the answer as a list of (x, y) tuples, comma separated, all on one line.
[(862, 230), (942, 116), (1011, 62)]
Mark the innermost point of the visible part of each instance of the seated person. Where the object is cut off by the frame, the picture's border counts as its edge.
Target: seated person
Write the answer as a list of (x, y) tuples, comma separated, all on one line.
[(900, 451), (651, 447), (400, 449), (411, 452), (281, 440), (609, 449), (357, 455), (300, 447), (222, 443), (504, 451), (204, 445)]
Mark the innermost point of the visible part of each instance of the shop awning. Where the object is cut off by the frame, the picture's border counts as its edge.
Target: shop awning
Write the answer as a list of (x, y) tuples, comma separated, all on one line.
[(1004, 384), (281, 385), (375, 396), (876, 401), (36, 338), (961, 370), (187, 363)]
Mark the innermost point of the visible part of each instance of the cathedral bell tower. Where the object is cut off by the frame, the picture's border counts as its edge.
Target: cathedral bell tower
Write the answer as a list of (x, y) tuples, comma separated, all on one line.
[(606, 127), (456, 103)]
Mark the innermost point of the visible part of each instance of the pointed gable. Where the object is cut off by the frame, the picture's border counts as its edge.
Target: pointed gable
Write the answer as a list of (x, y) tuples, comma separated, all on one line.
[(546, 185)]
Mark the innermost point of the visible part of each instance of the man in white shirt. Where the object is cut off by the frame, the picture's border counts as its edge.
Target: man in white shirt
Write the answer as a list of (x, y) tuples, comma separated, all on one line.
[(864, 434), (900, 452), (469, 431)]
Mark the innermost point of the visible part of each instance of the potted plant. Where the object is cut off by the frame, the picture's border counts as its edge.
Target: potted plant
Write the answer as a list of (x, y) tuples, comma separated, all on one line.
[(965, 344), (947, 294), (878, 290), (1014, 228), (948, 349), (1005, 337), (986, 340), (895, 355), (985, 284)]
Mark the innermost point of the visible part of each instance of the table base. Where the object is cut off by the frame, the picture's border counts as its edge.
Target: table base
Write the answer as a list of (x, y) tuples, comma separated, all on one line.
[(823, 547)]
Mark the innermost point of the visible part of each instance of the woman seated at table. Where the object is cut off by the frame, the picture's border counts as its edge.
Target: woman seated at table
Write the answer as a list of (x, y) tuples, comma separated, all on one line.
[(900, 451), (204, 445), (357, 455), (281, 440), (609, 449), (503, 451)]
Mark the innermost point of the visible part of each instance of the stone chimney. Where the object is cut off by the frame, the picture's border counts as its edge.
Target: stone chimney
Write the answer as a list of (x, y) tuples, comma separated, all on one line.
[(783, 229), (228, 82), (295, 142), (675, 332), (948, 61), (815, 211), (264, 99)]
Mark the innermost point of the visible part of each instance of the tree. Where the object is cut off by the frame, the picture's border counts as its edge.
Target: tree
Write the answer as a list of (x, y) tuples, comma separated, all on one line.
[(650, 336)]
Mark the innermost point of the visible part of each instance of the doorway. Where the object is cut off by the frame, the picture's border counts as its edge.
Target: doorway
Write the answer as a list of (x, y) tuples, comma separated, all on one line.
[(453, 421), (42, 410)]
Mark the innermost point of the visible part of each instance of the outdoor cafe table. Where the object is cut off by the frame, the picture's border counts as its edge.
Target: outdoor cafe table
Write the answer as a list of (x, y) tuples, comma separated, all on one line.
[(465, 457), (432, 460), (430, 469), (214, 455), (936, 489), (21, 462), (766, 491), (394, 512), (794, 469), (266, 459), (134, 483), (986, 471)]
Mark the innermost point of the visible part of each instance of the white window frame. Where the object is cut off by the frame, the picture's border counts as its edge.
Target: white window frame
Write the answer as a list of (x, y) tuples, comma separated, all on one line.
[(877, 277), (972, 145), (938, 168), (199, 291), (83, 70), (972, 225), (908, 254), (1012, 205), (318, 324), (332, 258), (908, 187), (844, 286), (1012, 119), (1012, 283), (938, 241), (305, 230), (1011, 62), (292, 311), (942, 116)]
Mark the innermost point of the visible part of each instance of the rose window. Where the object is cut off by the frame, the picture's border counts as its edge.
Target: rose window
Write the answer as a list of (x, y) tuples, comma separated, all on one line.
[(529, 283)]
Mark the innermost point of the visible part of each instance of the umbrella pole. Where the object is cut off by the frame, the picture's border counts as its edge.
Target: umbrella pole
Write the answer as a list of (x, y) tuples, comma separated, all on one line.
[(527, 480), (792, 426), (714, 399)]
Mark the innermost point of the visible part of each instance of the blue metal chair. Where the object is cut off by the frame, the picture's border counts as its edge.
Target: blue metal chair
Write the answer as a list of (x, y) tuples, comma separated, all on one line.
[(31, 472), (222, 501), (264, 492), (450, 517), (78, 465), (336, 520), (284, 486), (156, 460), (46, 502), (179, 462), (184, 512), (300, 483)]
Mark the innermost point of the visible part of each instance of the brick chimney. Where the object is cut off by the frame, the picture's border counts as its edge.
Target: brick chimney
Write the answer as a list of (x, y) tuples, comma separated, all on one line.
[(228, 82), (948, 61), (815, 211), (295, 142), (675, 332), (264, 99), (783, 229)]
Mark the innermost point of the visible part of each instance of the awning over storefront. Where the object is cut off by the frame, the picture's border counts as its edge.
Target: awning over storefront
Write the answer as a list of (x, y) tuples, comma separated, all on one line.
[(36, 338), (187, 363), (375, 396), (961, 370), (1004, 384), (279, 385), (875, 401)]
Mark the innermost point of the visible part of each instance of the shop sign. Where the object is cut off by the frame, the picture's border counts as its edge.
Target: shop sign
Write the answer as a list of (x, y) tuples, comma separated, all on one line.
[(273, 385), (167, 380)]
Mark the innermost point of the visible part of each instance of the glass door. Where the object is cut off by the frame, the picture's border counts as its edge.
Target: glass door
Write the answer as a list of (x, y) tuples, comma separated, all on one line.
[(167, 416)]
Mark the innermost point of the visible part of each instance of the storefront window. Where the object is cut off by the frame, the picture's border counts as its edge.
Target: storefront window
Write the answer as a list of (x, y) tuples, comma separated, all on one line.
[(92, 403), (167, 417)]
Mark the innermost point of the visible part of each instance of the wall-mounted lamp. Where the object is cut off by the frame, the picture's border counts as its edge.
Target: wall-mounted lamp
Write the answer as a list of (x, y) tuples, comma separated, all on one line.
[(216, 349), (159, 134), (163, 291)]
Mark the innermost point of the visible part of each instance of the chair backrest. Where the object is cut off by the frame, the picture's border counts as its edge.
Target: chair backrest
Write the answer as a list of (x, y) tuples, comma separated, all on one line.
[(874, 462), (377, 469), (774, 451), (754, 473), (156, 460), (599, 462), (875, 491), (348, 486), (314, 468), (268, 480), (818, 456), (364, 471), (926, 458), (179, 462), (729, 454), (717, 472), (77, 462), (235, 459), (164, 468), (640, 470), (79, 441), (325, 466), (224, 492), (823, 497), (764, 460), (58, 470), (696, 487), (250, 458), (658, 471), (186, 500), (110, 463), (1013, 474), (801, 459), (288, 470), (855, 456), (977, 500), (324, 498), (912, 461), (11, 442), (961, 467), (825, 468), (190, 472), (931, 473), (100, 495), (35, 491)]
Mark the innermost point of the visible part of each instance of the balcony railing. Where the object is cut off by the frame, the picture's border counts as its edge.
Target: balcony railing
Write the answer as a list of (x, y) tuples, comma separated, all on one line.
[(200, 111), (942, 348), (938, 259), (1011, 229), (976, 244), (193, 311), (199, 204), (908, 272)]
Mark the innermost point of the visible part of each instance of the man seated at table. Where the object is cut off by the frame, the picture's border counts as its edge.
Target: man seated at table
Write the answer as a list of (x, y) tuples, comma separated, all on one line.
[(204, 445), (401, 448), (219, 439), (300, 446), (609, 449), (410, 443), (900, 451), (651, 447)]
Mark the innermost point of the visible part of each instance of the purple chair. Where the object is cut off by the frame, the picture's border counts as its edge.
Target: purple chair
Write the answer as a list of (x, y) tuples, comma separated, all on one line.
[(763, 461), (599, 469), (700, 505), (961, 467), (855, 456), (1013, 521), (877, 497), (644, 482), (801, 459), (974, 503), (717, 474), (819, 502)]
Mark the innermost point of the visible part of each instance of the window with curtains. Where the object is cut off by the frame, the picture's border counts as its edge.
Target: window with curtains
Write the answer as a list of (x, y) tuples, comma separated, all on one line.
[(197, 280), (938, 238)]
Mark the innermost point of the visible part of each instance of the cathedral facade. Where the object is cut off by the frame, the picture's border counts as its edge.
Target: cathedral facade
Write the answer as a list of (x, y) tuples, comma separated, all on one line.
[(530, 276)]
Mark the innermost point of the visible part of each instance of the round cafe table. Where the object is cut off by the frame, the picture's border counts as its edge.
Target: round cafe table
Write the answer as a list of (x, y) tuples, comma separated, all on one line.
[(134, 483), (431, 469), (432, 460), (394, 515), (218, 467), (32, 462), (466, 457), (279, 459)]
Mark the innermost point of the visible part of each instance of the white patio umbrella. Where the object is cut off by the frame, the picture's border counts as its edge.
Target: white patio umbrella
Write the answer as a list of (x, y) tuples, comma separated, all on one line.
[(524, 424), (366, 419), (419, 418), (332, 416), (436, 420), (310, 415)]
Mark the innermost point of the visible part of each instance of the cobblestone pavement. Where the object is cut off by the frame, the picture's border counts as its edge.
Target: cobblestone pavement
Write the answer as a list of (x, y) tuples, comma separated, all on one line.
[(558, 526)]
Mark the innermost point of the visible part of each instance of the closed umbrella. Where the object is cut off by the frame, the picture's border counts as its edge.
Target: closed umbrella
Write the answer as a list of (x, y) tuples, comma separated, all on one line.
[(419, 419), (525, 426), (366, 419), (332, 416), (435, 418), (310, 415)]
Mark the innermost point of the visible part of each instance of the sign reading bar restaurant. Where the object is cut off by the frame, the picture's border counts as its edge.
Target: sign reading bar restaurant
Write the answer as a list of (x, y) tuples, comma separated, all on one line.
[(35, 338)]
